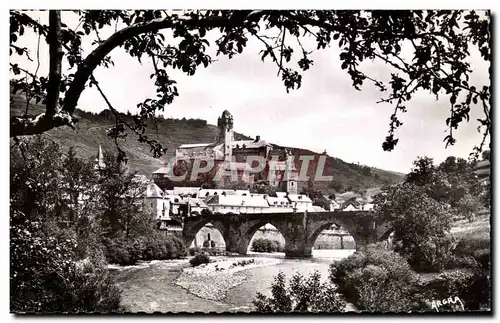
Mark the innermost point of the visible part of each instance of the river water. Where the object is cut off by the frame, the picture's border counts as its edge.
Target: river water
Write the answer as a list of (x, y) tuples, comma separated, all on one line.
[(150, 287)]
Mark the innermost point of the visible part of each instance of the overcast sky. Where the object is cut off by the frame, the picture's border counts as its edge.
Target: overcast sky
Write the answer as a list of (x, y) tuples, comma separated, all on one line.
[(325, 113)]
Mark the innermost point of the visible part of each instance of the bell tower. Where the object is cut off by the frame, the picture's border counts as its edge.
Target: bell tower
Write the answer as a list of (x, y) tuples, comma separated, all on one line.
[(226, 135), (291, 174)]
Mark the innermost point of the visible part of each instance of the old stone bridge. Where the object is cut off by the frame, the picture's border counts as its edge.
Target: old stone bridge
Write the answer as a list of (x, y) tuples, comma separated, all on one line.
[(300, 230)]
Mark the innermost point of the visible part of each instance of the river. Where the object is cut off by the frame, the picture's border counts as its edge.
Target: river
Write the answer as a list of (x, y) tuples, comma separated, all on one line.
[(151, 286)]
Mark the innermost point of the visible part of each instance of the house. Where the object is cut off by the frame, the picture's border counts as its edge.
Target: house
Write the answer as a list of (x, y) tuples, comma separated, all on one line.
[(351, 205), (186, 191), (354, 204), (482, 171), (154, 200), (301, 202), (237, 204), (279, 204)]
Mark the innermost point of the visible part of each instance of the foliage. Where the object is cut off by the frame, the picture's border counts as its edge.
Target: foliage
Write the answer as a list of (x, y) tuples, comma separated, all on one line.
[(420, 224), (154, 246), (468, 244), (452, 182), (266, 245), (194, 251), (58, 238), (376, 280), (208, 244), (118, 190), (347, 243), (199, 259), (473, 288), (439, 40), (301, 295), (468, 206), (46, 275)]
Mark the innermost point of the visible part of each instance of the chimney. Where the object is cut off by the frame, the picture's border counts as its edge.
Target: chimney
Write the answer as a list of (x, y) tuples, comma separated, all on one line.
[(257, 138)]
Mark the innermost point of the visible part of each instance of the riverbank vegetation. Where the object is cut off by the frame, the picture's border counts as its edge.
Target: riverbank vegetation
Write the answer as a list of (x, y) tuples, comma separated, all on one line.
[(300, 295), (66, 222), (423, 260), (266, 245)]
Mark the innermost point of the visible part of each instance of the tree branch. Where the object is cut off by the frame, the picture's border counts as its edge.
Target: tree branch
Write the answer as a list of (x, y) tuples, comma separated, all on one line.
[(85, 69), (56, 55)]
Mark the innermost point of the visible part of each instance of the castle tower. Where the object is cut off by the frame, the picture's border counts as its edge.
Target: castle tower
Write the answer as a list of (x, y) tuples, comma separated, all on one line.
[(226, 135)]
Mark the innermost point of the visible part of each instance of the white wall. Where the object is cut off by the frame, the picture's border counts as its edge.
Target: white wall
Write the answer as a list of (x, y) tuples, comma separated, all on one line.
[(157, 205)]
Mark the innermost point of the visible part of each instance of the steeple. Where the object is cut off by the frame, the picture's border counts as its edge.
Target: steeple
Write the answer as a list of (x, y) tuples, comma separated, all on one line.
[(291, 173), (226, 136), (100, 165)]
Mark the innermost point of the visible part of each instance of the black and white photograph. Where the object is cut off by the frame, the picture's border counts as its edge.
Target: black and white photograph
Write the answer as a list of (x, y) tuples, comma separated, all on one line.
[(250, 161)]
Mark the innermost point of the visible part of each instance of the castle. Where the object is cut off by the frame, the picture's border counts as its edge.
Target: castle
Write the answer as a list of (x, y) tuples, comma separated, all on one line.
[(228, 154)]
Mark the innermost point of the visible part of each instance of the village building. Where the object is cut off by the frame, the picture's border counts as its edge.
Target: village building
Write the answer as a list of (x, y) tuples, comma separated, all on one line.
[(155, 202), (301, 203), (237, 204)]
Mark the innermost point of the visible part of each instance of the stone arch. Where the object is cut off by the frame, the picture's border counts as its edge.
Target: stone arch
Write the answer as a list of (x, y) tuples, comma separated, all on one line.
[(316, 231), (252, 229), (189, 233)]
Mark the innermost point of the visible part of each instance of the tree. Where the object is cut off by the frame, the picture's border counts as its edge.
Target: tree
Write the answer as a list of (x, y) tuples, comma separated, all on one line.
[(48, 271), (468, 206), (80, 183), (420, 224), (302, 295), (119, 191), (440, 42)]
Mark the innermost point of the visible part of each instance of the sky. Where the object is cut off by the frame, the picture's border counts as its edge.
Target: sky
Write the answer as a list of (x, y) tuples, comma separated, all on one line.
[(326, 113)]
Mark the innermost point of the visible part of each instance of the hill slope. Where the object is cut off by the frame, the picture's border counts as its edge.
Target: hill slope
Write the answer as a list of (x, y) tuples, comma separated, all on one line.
[(91, 132)]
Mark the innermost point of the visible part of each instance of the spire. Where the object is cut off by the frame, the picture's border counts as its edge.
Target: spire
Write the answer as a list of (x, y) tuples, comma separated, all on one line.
[(100, 160)]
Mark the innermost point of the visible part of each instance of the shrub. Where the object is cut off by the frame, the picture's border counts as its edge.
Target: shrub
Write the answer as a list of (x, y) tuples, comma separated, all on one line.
[(376, 280), (433, 255), (266, 245), (208, 244), (46, 277), (125, 252), (194, 251), (199, 259), (301, 295), (121, 252), (483, 258), (472, 287), (455, 262), (468, 244)]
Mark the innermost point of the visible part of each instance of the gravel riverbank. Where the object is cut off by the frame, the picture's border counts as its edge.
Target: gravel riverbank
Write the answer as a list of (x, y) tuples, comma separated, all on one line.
[(212, 281)]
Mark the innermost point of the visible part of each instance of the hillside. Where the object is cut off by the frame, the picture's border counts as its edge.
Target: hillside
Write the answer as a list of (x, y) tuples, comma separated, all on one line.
[(91, 132)]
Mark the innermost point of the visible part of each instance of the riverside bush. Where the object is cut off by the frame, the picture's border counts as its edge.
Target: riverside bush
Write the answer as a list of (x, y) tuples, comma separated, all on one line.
[(301, 295), (194, 251), (126, 253), (199, 259), (433, 255), (377, 280), (45, 275), (266, 245)]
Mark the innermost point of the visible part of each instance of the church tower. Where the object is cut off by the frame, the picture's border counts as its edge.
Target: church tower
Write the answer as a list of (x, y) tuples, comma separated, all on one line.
[(291, 174), (226, 135)]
